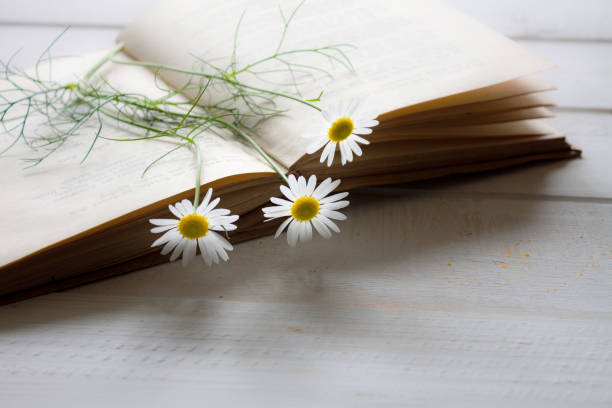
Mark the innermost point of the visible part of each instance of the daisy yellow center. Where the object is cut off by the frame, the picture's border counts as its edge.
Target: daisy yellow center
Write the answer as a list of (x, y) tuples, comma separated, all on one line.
[(305, 208), (340, 129), (193, 226)]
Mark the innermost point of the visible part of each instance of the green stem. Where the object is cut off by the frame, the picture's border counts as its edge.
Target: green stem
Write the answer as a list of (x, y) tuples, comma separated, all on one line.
[(235, 129), (263, 154), (272, 57), (194, 144), (196, 198), (218, 77), (118, 48)]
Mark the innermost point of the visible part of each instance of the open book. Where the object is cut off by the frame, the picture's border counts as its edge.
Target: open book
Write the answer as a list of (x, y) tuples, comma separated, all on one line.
[(453, 96)]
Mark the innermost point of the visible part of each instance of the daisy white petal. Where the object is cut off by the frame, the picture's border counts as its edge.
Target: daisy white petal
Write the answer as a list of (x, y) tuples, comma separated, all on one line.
[(221, 252), (171, 245), (335, 205), (332, 225), (189, 251), (187, 206), (181, 208), (175, 212), (317, 193), (321, 228), (227, 227), (276, 210), (316, 145), (287, 193), (223, 220), (361, 140), (344, 123), (292, 233), (342, 148), (324, 191), (223, 243), (330, 155), (308, 208), (304, 229), (280, 201), (310, 186), (217, 212), (300, 231), (211, 205), (366, 123), (157, 230), (282, 227), (327, 151), (195, 228), (165, 238), (205, 252), (222, 224), (307, 234), (349, 151), (334, 215), (279, 213), (354, 146), (347, 155), (362, 131), (179, 249), (332, 198), (163, 221), (301, 186), (217, 248), (205, 201), (212, 249), (292, 183)]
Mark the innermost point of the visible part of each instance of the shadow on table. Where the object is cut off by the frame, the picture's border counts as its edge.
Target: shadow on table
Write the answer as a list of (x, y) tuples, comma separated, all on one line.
[(394, 237)]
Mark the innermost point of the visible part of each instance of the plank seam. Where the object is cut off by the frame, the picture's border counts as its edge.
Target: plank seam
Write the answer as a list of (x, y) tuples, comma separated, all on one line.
[(95, 26), (85, 25)]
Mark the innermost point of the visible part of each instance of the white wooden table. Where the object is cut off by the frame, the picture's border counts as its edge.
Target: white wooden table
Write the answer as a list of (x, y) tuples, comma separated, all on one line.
[(488, 290)]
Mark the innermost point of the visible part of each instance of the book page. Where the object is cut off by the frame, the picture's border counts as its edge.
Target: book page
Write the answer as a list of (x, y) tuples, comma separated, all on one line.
[(60, 197), (525, 127), (406, 51), (478, 109)]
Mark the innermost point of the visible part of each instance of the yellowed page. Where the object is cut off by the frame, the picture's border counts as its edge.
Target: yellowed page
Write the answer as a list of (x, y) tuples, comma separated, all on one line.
[(407, 51), (477, 110), (60, 197), (518, 87), (525, 127)]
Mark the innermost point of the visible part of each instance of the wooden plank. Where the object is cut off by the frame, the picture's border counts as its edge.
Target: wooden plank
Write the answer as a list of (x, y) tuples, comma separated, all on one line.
[(423, 299), (581, 70), (30, 42), (586, 177), (112, 13), (582, 75), (544, 19)]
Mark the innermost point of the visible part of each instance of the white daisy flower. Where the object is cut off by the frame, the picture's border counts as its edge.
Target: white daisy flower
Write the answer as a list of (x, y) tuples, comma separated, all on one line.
[(307, 207), (195, 227), (341, 126)]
